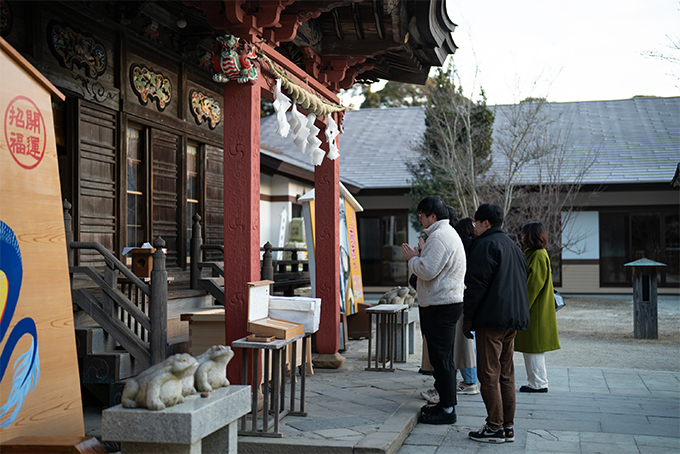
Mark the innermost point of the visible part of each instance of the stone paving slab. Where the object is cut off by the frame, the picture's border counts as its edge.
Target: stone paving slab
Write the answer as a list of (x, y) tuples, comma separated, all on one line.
[(586, 410), (592, 411)]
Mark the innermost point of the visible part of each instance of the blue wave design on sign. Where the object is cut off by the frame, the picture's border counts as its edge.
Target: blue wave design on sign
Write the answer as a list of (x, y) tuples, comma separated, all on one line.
[(27, 366)]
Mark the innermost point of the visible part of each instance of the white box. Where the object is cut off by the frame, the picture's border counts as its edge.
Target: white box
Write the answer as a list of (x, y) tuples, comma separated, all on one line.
[(258, 320), (297, 309)]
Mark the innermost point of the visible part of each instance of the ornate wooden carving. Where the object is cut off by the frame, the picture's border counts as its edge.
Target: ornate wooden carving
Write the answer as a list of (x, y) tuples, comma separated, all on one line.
[(334, 72), (205, 108), (152, 33), (6, 18), (149, 85), (71, 47)]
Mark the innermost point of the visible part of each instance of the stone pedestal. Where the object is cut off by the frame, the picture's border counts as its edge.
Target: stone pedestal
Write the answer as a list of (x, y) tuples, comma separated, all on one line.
[(195, 426), (406, 322)]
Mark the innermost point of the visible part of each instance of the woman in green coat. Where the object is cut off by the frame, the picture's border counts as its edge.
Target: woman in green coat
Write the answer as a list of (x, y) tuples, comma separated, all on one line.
[(541, 336)]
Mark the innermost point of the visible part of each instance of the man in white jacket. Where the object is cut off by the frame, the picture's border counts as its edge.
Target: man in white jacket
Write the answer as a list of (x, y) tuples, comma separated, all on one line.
[(439, 264)]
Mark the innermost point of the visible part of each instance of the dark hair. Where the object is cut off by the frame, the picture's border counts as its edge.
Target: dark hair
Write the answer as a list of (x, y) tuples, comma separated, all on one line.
[(490, 212), (465, 228), (433, 205), (453, 215), (535, 236)]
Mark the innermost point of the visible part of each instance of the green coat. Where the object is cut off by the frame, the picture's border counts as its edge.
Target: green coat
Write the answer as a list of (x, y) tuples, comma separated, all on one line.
[(541, 336)]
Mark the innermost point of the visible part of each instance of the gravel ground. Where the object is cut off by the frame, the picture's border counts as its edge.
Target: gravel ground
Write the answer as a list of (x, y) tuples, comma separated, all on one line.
[(597, 331)]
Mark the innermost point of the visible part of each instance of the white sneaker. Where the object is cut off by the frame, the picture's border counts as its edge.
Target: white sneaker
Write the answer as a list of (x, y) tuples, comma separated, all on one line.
[(431, 395), (468, 389)]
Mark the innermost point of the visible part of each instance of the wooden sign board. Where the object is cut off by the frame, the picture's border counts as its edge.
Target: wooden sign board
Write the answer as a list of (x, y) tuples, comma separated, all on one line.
[(39, 382), (259, 321)]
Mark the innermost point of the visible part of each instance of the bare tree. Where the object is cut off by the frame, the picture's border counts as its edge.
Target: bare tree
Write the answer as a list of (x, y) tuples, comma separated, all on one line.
[(541, 169), (532, 172), (673, 57), (455, 149)]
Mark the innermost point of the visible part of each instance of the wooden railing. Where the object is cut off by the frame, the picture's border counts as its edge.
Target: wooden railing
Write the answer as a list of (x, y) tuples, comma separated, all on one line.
[(197, 258), (287, 274), (140, 331)]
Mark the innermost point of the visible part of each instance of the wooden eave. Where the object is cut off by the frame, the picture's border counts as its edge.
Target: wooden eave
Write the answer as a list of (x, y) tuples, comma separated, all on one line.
[(400, 39)]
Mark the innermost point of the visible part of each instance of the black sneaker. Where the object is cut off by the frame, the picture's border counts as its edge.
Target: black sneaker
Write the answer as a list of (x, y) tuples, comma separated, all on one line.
[(486, 435), (438, 416), (429, 408), (509, 434)]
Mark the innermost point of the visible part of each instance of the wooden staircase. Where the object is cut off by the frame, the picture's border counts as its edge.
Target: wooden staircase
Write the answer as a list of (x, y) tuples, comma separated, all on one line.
[(123, 323), (105, 366)]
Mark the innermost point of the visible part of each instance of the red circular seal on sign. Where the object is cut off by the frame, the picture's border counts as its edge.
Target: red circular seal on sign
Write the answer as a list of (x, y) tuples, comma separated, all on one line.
[(25, 132)]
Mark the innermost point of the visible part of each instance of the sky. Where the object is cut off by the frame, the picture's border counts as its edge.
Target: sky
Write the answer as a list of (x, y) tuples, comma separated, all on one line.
[(581, 50)]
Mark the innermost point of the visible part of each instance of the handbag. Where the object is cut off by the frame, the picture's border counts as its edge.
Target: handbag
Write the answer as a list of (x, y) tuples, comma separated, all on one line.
[(559, 301)]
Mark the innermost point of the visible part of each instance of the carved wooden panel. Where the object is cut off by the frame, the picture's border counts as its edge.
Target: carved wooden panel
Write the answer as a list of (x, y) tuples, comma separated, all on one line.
[(214, 203), (165, 193), (96, 160)]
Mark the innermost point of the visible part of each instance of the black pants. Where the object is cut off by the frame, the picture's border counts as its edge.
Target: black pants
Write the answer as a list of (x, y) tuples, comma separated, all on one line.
[(438, 325)]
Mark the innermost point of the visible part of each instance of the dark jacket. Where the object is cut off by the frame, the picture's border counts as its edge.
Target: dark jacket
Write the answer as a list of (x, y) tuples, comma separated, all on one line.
[(496, 283)]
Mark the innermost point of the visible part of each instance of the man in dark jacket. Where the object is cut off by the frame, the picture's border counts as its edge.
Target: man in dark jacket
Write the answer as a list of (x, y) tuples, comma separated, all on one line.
[(495, 306)]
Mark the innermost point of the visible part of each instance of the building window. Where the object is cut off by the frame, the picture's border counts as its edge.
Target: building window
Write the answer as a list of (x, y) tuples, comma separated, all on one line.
[(192, 189), (380, 238), (632, 235), (136, 165)]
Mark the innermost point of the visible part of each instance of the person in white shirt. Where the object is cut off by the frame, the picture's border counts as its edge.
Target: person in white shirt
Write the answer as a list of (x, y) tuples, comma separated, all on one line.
[(440, 266)]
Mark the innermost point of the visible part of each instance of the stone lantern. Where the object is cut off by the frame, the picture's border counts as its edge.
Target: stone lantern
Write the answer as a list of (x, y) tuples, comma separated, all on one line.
[(645, 313)]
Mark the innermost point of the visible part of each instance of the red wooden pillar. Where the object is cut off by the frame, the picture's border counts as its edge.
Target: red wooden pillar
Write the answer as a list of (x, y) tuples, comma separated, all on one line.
[(241, 209), (327, 257)]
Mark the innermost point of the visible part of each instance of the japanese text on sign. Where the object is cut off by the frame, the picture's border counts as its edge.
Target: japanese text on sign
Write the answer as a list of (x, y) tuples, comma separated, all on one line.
[(25, 133)]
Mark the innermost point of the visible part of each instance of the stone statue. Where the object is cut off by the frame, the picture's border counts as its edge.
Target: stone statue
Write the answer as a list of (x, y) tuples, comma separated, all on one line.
[(160, 385), (212, 370), (399, 295)]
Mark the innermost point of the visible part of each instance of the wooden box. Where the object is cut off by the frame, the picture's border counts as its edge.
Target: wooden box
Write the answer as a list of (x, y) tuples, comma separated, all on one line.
[(142, 261), (259, 321), (206, 328)]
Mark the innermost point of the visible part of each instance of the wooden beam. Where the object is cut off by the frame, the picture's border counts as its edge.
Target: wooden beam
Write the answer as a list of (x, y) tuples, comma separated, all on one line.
[(298, 75), (337, 25), (358, 25), (326, 250), (241, 208), (377, 16)]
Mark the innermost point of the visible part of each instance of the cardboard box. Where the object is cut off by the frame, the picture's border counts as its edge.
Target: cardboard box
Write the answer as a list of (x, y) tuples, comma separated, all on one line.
[(259, 321)]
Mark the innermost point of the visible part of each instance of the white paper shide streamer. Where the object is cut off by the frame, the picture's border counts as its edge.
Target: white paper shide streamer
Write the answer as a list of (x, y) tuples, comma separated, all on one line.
[(331, 133), (298, 124), (281, 105), (314, 151)]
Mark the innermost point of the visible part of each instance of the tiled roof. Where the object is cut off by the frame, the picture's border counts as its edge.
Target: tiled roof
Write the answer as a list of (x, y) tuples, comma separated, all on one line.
[(637, 141)]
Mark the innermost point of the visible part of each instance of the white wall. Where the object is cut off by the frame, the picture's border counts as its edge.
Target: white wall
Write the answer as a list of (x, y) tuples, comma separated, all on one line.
[(270, 212), (583, 226)]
